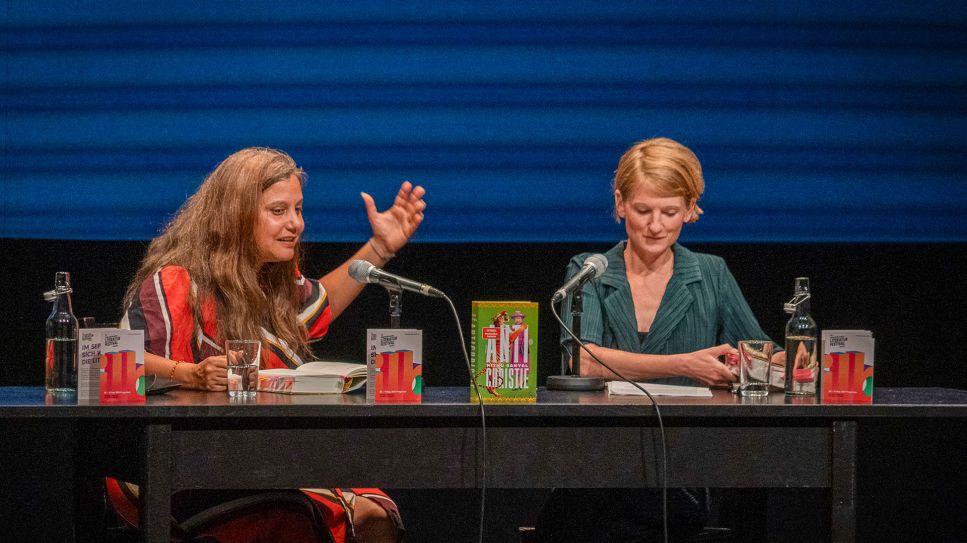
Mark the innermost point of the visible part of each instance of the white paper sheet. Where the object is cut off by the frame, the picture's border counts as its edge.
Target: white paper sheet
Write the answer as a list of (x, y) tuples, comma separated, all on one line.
[(627, 389)]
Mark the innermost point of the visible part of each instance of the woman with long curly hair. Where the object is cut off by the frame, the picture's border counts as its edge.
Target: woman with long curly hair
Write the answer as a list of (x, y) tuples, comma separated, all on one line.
[(227, 266)]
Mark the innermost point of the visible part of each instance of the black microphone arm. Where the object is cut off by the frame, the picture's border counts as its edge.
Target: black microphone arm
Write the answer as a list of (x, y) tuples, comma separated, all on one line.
[(365, 272)]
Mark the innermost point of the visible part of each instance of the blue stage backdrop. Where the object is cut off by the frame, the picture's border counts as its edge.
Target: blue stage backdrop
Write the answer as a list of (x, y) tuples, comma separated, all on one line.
[(815, 121)]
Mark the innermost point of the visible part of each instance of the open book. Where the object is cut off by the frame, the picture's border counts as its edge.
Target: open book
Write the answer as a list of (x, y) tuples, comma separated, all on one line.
[(314, 378)]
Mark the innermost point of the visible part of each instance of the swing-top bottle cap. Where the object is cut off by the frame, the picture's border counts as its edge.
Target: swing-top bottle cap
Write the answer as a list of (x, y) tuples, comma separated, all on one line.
[(62, 285), (801, 294)]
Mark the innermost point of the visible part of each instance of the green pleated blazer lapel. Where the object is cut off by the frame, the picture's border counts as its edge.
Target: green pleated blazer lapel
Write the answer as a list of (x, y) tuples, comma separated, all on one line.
[(617, 302), (620, 308), (678, 299)]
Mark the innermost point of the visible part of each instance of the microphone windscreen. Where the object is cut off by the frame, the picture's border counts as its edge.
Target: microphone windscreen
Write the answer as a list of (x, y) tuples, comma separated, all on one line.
[(599, 262), (360, 270)]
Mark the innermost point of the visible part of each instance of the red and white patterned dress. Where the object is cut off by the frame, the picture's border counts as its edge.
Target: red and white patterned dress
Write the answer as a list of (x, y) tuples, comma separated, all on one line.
[(162, 310)]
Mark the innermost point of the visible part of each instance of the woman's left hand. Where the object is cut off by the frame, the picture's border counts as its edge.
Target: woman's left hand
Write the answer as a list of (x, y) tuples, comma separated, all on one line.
[(395, 226)]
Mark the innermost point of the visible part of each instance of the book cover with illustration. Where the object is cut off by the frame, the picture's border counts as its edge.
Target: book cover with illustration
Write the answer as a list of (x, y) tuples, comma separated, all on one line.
[(847, 366), (111, 366), (504, 351), (317, 377), (394, 366)]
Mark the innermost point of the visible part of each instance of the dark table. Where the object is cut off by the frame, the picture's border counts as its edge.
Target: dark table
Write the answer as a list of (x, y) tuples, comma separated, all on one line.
[(193, 440)]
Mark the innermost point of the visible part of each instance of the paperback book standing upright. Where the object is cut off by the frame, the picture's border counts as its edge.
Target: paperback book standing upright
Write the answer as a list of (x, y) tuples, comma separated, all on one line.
[(504, 351), (848, 366), (395, 365), (111, 366)]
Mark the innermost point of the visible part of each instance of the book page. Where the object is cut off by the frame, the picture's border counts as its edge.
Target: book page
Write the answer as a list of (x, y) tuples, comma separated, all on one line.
[(332, 368)]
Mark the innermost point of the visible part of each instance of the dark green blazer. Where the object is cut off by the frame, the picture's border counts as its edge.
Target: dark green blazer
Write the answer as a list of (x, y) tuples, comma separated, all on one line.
[(702, 307)]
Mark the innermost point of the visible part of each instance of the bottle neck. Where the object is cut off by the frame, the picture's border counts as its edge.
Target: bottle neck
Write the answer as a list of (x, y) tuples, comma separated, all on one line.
[(802, 293), (62, 304)]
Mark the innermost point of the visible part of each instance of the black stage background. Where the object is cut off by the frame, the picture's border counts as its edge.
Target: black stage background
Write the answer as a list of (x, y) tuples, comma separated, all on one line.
[(910, 295)]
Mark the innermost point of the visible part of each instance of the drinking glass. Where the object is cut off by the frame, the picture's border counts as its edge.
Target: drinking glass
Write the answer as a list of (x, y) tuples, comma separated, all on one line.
[(755, 366), (243, 367)]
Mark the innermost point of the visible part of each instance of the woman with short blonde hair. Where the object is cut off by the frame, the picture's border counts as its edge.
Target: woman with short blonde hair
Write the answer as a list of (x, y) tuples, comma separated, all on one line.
[(658, 313)]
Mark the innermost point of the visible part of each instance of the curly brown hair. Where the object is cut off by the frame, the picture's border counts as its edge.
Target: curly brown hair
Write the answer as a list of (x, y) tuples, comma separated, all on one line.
[(213, 237)]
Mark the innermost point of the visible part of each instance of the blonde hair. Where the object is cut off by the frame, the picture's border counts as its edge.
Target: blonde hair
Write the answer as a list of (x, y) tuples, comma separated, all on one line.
[(213, 237), (670, 167)]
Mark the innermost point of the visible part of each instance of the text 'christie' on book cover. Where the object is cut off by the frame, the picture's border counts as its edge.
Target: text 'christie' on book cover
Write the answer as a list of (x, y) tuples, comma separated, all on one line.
[(504, 351)]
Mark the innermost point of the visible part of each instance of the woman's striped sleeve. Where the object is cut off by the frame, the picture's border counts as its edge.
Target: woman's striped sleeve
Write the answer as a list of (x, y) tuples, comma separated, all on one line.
[(315, 313), (162, 310)]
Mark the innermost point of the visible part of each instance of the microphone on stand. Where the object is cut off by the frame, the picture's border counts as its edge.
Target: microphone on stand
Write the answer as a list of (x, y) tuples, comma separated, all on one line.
[(593, 268), (365, 272)]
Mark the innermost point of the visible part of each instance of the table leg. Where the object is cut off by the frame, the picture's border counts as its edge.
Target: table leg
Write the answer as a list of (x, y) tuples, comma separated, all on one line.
[(155, 491), (843, 485)]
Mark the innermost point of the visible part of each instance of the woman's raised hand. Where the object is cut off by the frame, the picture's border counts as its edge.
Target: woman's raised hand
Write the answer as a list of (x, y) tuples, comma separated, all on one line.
[(395, 226)]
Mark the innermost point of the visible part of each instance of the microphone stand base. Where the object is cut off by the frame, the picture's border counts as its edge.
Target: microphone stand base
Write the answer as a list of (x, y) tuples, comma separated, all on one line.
[(574, 382)]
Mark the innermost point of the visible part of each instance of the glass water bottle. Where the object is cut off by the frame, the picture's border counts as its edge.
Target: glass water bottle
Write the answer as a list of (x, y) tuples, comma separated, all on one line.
[(802, 360), (60, 374)]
